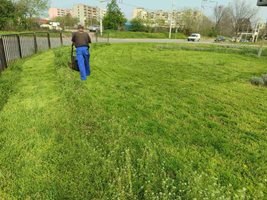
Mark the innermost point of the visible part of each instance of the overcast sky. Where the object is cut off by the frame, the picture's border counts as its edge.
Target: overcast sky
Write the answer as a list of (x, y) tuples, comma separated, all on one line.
[(128, 5)]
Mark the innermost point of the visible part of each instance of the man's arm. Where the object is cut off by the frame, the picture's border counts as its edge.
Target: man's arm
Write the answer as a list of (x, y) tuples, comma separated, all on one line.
[(89, 39), (73, 38)]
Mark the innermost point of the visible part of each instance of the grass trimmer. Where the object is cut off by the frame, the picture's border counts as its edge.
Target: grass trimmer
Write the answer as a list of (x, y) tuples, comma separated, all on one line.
[(74, 62)]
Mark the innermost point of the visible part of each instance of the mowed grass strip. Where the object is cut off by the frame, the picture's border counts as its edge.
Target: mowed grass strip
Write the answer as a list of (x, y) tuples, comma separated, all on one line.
[(31, 117), (150, 123)]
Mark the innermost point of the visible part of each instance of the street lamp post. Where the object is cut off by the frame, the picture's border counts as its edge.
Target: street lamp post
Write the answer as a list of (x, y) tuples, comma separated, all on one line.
[(101, 17), (101, 23), (261, 3), (171, 20)]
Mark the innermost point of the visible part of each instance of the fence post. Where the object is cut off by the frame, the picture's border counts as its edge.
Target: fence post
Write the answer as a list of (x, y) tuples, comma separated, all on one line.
[(61, 38), (49, 41), (20, 51), (108, 37), (2, 55), (96, 37), (35, 43)]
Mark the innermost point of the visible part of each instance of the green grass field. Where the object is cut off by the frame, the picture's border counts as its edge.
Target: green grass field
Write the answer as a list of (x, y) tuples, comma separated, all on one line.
[(129, 34), (152, 122)]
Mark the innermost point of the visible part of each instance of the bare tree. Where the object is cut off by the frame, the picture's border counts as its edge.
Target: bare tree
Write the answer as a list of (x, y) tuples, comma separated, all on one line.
[(225, 27), (220, 13), (31, 8), (242, 12)]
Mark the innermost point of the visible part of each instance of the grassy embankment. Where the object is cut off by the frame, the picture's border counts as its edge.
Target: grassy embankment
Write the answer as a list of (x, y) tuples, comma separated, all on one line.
[(40, 34), (152, 122), (129, 34)]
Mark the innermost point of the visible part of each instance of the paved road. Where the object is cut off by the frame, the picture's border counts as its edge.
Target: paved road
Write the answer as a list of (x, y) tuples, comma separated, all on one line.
[(114, 40), (167, 41)]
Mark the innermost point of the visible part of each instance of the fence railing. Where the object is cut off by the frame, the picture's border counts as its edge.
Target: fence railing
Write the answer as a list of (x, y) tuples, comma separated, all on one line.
[(17, 46)]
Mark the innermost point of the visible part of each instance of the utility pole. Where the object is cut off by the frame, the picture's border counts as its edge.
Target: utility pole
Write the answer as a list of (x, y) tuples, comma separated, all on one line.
[(101, 22), (171, 20), (101, 17), (261, 3), (202, 17)]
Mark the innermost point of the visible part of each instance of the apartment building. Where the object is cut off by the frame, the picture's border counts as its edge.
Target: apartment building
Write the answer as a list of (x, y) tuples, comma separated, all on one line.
[(58, 12), (140, 13), (81, 11), (85, 12), (162, 17), (157, 17)]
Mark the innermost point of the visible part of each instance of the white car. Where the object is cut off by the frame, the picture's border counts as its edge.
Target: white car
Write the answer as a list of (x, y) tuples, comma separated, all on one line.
[(94, 28), (195, 37)]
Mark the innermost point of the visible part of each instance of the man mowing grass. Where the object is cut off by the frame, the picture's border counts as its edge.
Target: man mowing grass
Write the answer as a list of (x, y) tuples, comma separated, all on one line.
[(81, 40)]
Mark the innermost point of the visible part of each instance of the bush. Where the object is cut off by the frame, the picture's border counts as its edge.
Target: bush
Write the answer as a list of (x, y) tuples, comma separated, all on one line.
[(137, 25), (257, 81), (264, 78)]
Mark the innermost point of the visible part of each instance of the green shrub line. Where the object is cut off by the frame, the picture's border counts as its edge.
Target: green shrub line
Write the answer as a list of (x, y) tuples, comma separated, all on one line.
[(39, 33), (138, 35)]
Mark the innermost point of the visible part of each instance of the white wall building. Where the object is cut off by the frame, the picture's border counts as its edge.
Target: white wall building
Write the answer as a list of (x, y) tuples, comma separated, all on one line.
[(84, 12), (161, 17), (81, 11), (58, 12), (140, 13), (157, 17)]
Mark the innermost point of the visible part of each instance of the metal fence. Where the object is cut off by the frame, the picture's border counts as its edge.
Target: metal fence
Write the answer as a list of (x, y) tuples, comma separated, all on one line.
[(17, 46)]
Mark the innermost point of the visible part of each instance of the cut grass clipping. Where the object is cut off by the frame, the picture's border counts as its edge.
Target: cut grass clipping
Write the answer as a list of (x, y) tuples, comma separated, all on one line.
[(259, 81), (148, 124)]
